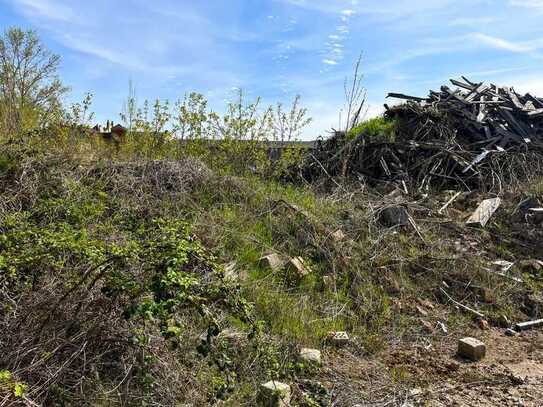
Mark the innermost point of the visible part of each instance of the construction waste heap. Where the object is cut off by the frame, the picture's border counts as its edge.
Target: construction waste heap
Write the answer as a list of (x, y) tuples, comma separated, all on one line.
[(473, 136)]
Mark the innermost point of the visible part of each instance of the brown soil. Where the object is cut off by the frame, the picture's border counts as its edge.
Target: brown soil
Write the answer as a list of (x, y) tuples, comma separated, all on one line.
[(429, 373)]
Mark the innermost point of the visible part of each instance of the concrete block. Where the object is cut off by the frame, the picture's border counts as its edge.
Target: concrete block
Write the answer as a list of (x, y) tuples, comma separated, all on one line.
[(312, 356), (338, 338), (274, 394), (297, 266), (471, 348), (272, 262)]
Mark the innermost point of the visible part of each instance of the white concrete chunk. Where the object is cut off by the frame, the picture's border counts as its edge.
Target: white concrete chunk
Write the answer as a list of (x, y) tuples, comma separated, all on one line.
[(311, 355), (471, 348), (272, 262), (274, 394), (338, 338), (297, 266)]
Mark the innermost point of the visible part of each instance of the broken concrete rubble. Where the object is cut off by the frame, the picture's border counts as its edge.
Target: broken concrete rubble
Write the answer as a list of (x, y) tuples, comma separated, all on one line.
[(471, 348), (312, 356), (272, 262), (338, 338), (274, 394), (297, 267)]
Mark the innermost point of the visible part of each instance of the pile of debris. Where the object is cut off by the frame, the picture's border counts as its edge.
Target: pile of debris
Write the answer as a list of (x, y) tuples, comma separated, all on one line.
[(484, 115), (476, 136)]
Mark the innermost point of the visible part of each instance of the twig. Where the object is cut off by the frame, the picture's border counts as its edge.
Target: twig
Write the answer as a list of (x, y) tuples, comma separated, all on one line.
[(464, 307), (450, 201)]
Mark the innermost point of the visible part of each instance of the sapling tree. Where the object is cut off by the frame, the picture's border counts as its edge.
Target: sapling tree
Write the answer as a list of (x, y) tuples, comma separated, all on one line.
[(30, 89)]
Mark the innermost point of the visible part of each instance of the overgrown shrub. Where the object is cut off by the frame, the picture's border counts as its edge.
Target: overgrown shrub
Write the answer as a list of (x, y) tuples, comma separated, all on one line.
[(375, 130)]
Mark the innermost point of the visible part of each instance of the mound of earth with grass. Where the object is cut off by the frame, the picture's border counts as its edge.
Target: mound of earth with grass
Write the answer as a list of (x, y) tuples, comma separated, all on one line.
[(132, 281)]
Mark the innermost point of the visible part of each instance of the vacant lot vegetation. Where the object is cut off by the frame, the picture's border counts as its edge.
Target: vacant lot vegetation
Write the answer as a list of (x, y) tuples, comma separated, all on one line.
[(131, 272), (137, 280)]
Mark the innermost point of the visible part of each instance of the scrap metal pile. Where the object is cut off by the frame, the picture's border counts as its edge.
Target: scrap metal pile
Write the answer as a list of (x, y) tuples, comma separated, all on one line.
[(474, 136)]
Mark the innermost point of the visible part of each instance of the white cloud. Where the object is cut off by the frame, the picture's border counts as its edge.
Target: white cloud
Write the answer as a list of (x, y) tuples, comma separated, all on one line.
[(329, 62), (47, 9), (472, 21), (500, 43), (533, 4)]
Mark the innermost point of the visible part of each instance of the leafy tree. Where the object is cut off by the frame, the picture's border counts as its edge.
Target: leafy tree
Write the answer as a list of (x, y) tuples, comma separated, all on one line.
[(30, 90)]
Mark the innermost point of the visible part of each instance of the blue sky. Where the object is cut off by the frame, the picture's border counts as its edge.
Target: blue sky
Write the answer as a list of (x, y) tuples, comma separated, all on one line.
[(279, 48)]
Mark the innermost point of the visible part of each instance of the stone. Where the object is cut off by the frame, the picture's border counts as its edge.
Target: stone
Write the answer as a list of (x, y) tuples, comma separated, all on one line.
[(338, 338), (297, 266), (483, 324), (392, 216), (338, 235), (471, 348), (484, 212), (272, 262), (428, 327), (312, 356), (274, 394)]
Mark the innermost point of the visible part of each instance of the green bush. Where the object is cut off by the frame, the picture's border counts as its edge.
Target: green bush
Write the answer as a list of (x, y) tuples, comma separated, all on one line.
[(377, 129)]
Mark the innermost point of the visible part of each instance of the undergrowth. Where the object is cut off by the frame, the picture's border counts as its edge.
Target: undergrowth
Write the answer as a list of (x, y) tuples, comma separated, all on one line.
[(137, 281)]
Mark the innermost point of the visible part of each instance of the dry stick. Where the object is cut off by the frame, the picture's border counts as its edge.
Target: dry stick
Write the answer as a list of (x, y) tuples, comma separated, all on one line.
[(450, 201), (464, 307), (326, 172), (71, 290), (412, 222)]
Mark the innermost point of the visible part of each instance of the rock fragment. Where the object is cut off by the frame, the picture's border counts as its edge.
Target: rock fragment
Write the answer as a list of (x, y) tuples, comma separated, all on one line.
[(338, 338), (312, 356), (272, 262), (274, 394), (297, 266), (471, 348)]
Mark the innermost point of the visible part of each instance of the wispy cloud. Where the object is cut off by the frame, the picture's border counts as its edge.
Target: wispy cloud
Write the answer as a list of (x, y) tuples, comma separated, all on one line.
[(532, 4), (283, 47), (49, 9), (500, 43)]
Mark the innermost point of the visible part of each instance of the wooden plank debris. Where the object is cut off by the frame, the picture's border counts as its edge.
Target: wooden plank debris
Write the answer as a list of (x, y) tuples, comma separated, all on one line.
[(484, 212), (485, 111), (457, 137), (524, 326)]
